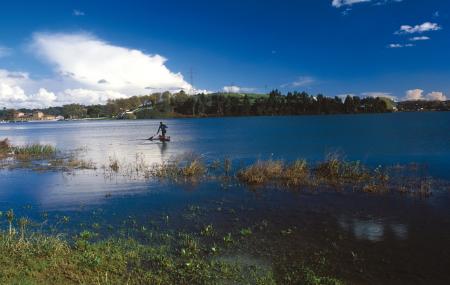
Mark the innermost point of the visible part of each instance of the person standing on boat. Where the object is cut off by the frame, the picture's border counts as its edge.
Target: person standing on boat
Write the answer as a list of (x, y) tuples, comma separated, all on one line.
[(163, 129)]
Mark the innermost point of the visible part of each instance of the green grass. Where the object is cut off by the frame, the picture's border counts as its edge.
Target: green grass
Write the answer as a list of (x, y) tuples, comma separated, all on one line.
[(33, 151), (26, 152), (41, 259)]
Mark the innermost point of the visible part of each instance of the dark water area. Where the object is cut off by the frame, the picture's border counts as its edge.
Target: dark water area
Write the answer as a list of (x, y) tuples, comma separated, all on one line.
[(362, 238)]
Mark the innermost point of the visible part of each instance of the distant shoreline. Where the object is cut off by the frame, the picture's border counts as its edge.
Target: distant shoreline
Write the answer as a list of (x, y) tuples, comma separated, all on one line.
[(212, 116)]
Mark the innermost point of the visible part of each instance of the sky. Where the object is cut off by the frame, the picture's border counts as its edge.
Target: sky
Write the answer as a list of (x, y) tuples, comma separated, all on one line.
[(59, 52)]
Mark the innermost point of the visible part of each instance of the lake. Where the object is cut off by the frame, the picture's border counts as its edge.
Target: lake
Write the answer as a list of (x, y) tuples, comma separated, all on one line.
[(367, 238)]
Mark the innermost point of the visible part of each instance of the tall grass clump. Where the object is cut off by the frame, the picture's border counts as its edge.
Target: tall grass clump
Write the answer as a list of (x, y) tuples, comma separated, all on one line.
[(296, 173), (33, 151), (5, 148), (336, 170), (261, 172), (191, 168)]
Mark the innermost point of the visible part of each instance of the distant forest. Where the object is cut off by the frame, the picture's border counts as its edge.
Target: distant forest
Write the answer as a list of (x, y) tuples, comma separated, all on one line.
[(160, 105)]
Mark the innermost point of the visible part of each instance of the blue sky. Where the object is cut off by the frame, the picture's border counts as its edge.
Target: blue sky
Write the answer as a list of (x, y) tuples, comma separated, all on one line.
[(55, 52)]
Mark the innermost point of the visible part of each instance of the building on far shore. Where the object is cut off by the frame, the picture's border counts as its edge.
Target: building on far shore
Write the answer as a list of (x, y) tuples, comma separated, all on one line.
[(38, 115), (18, 115), (35, 116)]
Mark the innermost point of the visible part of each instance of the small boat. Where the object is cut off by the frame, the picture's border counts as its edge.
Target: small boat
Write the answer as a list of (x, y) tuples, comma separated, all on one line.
[(161, 138)]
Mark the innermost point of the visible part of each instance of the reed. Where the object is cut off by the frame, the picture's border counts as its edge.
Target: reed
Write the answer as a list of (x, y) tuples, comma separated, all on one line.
[(33, 151)]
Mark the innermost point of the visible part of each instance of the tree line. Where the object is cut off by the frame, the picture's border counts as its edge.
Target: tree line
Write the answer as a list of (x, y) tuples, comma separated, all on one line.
[(180, 104)]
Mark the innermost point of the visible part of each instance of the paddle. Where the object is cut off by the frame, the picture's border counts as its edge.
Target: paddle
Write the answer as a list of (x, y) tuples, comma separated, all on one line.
[(151, 138)]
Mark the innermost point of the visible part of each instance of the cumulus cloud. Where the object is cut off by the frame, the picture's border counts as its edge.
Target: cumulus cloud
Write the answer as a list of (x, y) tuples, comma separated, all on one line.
[(13, 95), (436, 96), (87, 96), (88, 60), (422, 28), (418, 94), (414, 94), (87, 70)]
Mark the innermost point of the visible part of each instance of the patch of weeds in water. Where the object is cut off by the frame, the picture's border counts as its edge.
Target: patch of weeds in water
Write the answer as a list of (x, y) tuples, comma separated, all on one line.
[(208, 231), (39, 259), (114, 164), (33, 151), (26, 152), (301, 274), (228, 238), (245, 232), (261, 172)]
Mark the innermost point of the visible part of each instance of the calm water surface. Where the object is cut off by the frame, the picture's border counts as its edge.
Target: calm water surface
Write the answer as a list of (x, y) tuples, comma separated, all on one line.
[(366, 233)]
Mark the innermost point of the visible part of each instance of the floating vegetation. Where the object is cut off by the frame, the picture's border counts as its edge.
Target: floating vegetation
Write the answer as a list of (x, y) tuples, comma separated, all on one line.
[(332, 173)]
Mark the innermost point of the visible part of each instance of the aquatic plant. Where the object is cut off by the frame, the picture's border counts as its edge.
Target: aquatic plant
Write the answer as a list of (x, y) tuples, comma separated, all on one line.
[(296, 173), (40, 259), (114, 164), (10, 218), (5, 148), (23, 223), (261, 172), (33, 151), (192, 170), (208, 230)]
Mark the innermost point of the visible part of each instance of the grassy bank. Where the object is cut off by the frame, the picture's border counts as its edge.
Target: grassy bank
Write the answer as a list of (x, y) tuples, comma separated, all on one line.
[(157, 257)]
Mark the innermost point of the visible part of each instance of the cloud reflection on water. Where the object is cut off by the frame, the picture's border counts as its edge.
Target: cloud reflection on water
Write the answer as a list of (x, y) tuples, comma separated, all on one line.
[(374, 230)]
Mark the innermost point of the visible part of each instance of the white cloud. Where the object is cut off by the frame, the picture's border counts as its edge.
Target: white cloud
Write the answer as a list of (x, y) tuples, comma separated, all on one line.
[(341, 3), (422, 38), (4, 51), (236, 89), (422, 28), (436, 96), (400, 45), (16, 91), (417, 94), (232, 89), (348, 3), (301, 81), (78, 13), (414, 94), (89, 60), (87, 96), (87, 71)]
